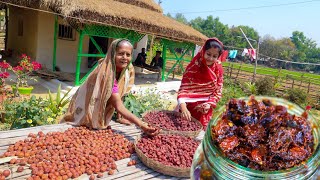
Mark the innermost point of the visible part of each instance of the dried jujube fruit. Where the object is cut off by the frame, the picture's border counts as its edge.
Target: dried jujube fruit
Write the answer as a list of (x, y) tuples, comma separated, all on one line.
[(69, 154), (6, 173), (170, 150), (171, 121)]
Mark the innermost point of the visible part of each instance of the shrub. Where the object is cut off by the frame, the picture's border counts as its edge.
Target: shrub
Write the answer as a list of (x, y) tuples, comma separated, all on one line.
[(297, 96), (250, 88), (147, 100), (317, 103), (28, 113), (230, 90), (58, 104), (265, 86)]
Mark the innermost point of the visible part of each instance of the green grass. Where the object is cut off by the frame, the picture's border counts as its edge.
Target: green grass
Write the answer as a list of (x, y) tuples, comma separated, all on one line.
[(314, 78), (186, 57)]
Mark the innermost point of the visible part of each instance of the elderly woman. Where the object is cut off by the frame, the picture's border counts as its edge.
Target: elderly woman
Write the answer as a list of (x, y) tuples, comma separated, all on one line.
[(202, 82), (100, 95)]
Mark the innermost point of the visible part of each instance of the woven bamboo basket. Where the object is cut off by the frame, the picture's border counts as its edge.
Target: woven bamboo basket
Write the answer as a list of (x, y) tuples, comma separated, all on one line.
[(192, 134), (159, 167)]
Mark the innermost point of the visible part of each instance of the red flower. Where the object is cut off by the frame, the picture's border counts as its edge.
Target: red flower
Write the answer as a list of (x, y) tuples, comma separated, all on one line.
[(4, 75), (4, 65), (308, 107), (18, 68), (36, 65), (23, 56)]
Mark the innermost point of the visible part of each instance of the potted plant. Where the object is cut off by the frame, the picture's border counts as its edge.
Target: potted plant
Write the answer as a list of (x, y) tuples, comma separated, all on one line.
[(23, 71), (3, 76)]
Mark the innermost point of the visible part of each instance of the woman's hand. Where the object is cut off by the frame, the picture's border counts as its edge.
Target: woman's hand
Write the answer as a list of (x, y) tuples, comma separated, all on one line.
[(151, 131), (185, 113), (203, 108)]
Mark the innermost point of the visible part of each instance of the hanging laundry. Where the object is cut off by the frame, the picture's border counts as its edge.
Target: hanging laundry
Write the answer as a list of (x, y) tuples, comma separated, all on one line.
[(252, 54), (245, 52), (233, 54), (224, 55)]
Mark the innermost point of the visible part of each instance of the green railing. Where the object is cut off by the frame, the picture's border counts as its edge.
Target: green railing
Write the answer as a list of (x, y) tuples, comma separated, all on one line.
[(167, 44), (100, 31)]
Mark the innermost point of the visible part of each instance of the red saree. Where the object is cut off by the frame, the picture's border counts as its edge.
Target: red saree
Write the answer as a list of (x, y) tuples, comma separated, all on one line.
[(201, 84)]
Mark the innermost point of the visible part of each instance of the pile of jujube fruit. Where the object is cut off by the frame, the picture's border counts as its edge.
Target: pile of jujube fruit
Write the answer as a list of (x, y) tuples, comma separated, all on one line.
[(171, 121), (170, 150), (4, 174), (69, 154)]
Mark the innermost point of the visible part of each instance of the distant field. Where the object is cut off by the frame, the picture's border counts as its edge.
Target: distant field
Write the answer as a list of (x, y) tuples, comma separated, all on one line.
[(314, 78)]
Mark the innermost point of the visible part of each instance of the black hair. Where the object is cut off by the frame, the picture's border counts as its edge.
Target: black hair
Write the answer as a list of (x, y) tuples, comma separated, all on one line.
[(211, 44), (158, 52)]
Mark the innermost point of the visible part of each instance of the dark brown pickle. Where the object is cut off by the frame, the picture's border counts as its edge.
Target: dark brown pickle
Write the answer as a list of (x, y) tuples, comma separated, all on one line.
[(263, 136)]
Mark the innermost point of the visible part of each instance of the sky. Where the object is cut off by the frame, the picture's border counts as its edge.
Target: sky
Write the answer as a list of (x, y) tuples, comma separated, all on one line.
[(277, 21)]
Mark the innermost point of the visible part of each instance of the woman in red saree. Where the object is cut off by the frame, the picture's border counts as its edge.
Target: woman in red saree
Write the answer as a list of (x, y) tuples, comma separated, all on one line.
[(202, 82)]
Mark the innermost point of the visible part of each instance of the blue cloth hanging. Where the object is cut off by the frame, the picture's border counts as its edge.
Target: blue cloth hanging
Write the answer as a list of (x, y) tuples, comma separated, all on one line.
[(233, 54)]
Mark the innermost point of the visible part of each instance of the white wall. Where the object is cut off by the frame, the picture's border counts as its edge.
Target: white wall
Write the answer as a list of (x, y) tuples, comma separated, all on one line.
[(38, 40), (141, 44), (66, 50), (27, 43)]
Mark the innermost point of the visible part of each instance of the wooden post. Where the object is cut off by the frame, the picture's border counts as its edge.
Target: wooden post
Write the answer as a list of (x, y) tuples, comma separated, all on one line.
[(239, 70), (292, 82), (309, 86), (231, 71), (276, 78), (301, 81), (228, 69)]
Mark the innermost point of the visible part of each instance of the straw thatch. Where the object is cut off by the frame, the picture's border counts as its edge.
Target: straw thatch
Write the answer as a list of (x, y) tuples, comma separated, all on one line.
[(147, 4), (140, 15)]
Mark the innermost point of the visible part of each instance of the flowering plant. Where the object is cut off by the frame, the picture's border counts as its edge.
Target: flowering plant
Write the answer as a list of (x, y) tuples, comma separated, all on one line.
[(3, 72), (24, 69)]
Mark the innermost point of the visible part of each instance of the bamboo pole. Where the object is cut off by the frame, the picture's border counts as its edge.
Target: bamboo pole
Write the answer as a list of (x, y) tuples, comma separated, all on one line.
[(54, 57), (79, 58)]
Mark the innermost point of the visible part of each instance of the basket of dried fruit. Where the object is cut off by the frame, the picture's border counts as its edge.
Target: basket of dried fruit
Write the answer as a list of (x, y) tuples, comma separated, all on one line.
[(168, 154), (171, 122)]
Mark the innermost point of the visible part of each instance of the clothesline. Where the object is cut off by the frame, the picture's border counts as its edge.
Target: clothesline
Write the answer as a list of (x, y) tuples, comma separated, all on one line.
[(276, 59), (288, 61)]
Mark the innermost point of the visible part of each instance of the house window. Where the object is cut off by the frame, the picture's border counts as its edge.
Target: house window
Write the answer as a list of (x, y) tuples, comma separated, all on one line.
[(20, 27), (66, 32)]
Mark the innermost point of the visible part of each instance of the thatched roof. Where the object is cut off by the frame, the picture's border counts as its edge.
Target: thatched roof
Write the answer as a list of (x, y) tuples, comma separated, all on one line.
[(147, 4), (144, 16)]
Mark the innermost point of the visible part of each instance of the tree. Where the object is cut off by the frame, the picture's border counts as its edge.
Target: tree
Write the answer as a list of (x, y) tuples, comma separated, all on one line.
[(212, 27), (238, 40), (181, 18), (301, 42), (306, 47), (169, 15)]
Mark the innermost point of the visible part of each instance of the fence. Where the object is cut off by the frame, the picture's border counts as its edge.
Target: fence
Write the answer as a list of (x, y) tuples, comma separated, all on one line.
[(310, 85)]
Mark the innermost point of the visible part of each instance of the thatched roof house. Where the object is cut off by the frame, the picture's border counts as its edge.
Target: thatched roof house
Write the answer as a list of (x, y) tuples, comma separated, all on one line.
[(72, 34), (143, 16)]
